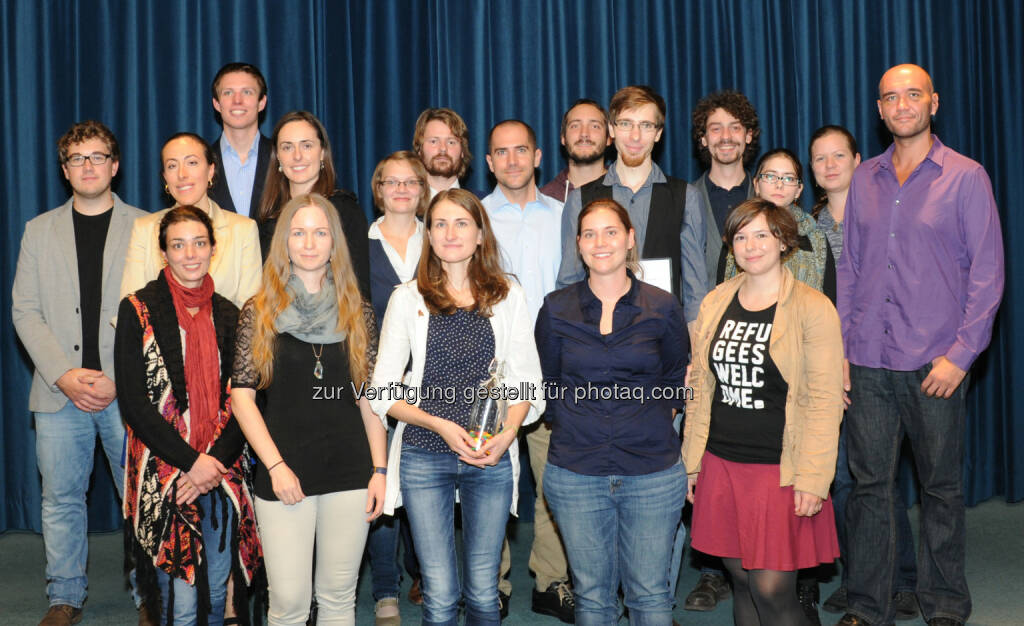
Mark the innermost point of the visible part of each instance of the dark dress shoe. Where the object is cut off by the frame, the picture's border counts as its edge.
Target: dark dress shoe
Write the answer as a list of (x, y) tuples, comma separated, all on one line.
[(710, 590), (944, 621), (852, 620)]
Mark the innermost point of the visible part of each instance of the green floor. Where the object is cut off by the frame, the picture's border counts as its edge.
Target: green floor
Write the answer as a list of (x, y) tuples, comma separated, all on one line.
[(995, 572)]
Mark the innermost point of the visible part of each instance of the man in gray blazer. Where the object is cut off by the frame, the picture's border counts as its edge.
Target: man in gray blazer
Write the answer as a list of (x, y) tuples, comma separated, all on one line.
[(65, 295)]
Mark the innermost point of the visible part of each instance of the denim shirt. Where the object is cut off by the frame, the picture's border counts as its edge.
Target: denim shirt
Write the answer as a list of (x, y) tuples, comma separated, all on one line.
[(606, 393)]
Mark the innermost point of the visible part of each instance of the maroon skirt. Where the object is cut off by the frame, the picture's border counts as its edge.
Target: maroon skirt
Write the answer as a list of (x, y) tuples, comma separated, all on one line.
[(741, 512)]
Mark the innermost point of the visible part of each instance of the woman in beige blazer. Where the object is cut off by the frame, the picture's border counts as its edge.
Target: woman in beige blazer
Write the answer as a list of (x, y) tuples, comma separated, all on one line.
[(188, 170), (762, 430)]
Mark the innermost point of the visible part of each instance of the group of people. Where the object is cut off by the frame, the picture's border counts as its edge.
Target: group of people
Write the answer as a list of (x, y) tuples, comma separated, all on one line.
[(287, 372)]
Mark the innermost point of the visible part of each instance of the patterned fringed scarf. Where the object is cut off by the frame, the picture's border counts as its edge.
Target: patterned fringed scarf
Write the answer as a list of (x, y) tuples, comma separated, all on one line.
[(168, 534)]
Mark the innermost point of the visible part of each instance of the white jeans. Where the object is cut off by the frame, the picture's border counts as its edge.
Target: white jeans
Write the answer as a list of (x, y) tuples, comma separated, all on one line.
[(336, 524)]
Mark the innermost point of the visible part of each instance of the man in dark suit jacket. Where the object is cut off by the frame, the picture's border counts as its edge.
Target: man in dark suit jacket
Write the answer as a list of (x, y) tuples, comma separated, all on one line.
[(66, 291), (242, 152)]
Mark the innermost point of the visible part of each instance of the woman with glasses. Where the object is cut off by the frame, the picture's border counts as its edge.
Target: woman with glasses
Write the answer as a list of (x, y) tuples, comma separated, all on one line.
[(761, 433), (301, 163), (460, 314), (187, 168), (613, 479), (778, 180), (187, 497), (306, 342), (401, 194)]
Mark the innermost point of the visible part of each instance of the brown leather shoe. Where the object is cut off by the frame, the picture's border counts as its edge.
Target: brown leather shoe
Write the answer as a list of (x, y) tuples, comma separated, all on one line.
[(415, 595), (61, 615)]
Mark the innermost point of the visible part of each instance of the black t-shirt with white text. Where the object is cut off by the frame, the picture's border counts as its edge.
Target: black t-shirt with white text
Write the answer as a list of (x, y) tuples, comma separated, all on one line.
[(748, 412)]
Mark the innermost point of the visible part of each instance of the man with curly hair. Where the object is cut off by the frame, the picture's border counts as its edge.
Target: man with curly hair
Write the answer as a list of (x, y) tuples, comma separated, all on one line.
[(726, 128)]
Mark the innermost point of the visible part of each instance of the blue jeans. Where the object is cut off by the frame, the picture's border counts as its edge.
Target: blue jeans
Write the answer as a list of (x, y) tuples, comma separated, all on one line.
[(218, 567), (842, 486), (382, 546), (887, 404), (65, 448), (618, 530), (429, 481), (382, 549), (679, 542)]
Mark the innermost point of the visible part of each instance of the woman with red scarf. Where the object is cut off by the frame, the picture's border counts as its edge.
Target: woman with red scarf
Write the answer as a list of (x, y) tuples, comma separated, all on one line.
[(187, 494)]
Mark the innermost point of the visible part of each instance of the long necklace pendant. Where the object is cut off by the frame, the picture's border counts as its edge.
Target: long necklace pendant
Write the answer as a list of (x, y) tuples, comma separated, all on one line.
[(318, 371)]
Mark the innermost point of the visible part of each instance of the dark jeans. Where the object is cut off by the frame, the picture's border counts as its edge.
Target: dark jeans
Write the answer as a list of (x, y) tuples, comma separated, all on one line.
[(842, 486), (887, 404)]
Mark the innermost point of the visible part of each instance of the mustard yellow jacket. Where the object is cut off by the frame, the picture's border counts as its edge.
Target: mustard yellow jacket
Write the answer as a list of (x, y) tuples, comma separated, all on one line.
[(807, 347)]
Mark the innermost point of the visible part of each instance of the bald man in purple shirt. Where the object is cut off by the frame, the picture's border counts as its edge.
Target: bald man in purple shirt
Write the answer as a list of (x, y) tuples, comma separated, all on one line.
[(920, 280)]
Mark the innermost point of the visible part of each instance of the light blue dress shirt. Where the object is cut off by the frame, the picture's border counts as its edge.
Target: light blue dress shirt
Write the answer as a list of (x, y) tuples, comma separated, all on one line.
[(240, 177), (529, 239)]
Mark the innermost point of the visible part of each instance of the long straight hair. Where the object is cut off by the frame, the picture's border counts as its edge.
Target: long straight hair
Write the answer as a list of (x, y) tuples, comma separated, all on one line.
[(272, 299), (276, 190), (487, 281)]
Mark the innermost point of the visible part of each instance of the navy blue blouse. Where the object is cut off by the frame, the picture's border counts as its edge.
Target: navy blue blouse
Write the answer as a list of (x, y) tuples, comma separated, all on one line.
[(610, 397)]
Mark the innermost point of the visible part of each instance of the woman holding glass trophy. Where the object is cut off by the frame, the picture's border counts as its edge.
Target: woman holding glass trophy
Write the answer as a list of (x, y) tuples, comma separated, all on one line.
[(465, 325)]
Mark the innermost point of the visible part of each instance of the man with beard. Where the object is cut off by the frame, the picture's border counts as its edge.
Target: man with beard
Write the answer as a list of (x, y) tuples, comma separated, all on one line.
[(441, 139), (920, 280), (725, 125), (665, 211), (242, 153), (585, 137), (526, 224)]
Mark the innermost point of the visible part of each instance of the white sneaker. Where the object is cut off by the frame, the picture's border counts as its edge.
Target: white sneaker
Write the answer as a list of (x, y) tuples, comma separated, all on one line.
[(386, 612)]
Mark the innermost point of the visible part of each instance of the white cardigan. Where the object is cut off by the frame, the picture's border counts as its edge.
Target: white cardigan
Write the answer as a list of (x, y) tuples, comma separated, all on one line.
[(405, 330)]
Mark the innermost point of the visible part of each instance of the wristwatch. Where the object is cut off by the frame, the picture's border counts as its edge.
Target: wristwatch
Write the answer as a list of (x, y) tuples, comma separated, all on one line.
[(380, 470)]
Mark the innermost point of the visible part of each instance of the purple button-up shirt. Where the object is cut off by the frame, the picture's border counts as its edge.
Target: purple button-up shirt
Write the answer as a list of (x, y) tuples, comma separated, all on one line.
[(921, 274)]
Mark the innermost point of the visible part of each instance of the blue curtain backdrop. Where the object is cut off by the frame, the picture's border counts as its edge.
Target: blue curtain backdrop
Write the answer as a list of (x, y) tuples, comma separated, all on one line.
[(368, 68)]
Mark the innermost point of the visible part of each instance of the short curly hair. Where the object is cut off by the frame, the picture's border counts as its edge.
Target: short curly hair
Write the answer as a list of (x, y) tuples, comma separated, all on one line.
[(83, 131), (734, 103)]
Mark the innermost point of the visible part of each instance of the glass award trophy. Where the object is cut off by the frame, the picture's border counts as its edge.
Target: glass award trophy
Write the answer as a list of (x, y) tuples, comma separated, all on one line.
[(489, 406)]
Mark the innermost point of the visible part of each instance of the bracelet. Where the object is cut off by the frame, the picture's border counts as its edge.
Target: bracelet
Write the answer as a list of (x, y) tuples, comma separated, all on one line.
[(380, 470), (275, 465)]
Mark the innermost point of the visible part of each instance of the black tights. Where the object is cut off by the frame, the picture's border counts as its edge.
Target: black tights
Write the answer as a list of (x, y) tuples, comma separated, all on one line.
[(763, 596)]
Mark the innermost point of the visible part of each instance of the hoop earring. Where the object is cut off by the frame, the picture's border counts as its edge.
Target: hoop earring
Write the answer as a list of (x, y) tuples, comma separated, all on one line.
[(209, 185), (167, 190)]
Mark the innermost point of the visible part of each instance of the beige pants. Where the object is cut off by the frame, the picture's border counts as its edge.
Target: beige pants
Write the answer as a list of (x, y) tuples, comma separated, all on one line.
[(336, 524), (547, 556)]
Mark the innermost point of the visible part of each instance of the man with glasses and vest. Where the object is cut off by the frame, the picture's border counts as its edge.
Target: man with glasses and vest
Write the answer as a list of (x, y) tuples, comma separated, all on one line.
[(665, 211)]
